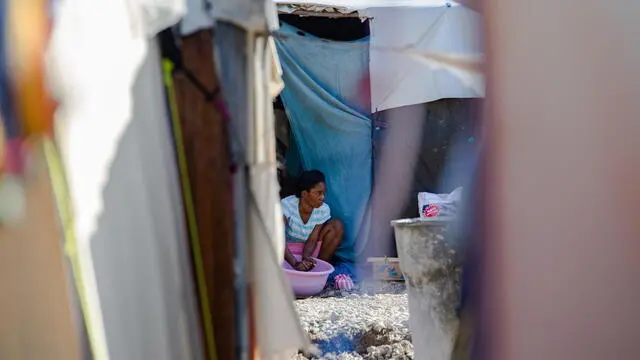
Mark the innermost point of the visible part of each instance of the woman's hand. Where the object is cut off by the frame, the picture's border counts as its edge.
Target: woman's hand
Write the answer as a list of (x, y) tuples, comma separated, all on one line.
[(305, 265), (310, 260), (301, 266), (310, 246)]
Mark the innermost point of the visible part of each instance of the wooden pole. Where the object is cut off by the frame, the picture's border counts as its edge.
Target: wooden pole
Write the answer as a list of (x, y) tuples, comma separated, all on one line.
[(205, 139)]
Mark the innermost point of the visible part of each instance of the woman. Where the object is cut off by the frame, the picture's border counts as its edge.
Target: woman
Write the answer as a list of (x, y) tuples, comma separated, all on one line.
[(309, 228)]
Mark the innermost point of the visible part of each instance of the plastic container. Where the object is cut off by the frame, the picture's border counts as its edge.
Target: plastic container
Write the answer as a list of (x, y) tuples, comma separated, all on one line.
[(308, 283), (432, 269), (386, 268)]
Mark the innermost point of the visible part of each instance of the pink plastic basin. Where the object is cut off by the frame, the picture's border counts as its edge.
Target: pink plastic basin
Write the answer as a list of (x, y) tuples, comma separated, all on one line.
[(308, 283)]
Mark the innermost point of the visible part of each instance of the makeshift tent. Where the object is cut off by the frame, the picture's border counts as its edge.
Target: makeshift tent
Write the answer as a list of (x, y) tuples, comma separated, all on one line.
[(433, 53), (131, 237), (116, 307), (250, 79), (115, 141), (126, 236), (329, 121)]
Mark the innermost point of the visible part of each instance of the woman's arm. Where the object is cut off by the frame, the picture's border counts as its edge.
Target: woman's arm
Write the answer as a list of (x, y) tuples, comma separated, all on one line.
[(312, 242), (288, 256), (323, 217)]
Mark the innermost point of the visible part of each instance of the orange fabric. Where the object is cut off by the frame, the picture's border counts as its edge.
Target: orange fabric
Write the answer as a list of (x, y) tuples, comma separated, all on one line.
[(29, 29)]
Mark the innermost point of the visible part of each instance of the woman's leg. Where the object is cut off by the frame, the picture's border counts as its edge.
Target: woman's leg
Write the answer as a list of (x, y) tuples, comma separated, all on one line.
[(331, 237)]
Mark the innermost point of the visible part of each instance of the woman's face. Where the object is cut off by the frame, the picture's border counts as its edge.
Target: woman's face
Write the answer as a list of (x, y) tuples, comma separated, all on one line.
[(315, 195)]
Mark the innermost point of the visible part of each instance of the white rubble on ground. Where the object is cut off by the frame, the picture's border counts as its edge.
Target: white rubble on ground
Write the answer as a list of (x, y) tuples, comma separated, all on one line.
[(368, 323)]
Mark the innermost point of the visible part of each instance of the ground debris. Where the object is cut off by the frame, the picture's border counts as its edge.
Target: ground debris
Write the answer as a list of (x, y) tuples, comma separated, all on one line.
[(370, 322)]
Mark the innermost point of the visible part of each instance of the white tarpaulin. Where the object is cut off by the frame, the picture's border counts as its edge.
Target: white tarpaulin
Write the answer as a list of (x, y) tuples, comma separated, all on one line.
[(196, 18), (424, 54), (112, 129), (250, 15)]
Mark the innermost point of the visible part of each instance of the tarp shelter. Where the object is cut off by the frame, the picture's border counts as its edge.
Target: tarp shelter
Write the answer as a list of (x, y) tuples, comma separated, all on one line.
[(250, 78), (113, 133), (330, 125), (131, 238), (138, 287), (431, 54)]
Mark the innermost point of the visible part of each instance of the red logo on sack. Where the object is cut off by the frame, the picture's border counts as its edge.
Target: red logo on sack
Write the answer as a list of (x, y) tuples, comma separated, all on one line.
[(431, 210)]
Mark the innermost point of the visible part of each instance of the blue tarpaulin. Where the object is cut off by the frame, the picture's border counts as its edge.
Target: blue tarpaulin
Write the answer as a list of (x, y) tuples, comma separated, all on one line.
[(330, 122)]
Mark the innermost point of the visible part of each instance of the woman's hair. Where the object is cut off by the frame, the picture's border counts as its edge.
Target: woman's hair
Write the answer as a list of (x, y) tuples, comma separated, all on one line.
[(307, 180)]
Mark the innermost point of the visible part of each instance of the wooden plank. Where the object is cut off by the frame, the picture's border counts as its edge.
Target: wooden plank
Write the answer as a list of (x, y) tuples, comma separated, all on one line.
[(206, 148)]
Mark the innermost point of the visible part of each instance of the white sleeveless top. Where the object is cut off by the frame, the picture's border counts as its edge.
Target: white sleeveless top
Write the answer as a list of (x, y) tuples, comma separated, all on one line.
[(296, 230)]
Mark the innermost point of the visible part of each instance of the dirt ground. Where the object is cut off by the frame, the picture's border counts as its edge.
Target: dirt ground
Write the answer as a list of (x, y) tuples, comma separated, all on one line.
[(369, 322)]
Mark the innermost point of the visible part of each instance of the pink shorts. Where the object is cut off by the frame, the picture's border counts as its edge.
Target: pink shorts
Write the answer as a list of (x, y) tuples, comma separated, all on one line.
[(297, 247)]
